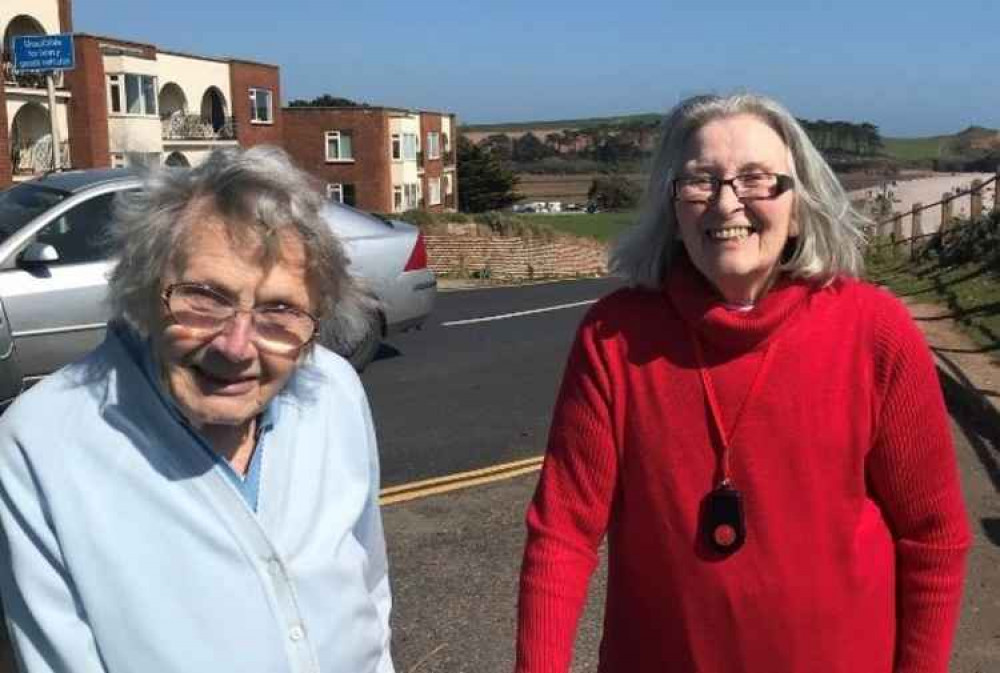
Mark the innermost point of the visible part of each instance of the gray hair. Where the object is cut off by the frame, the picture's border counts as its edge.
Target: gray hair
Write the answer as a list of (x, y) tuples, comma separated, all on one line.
[(260, 195), (831, 231)]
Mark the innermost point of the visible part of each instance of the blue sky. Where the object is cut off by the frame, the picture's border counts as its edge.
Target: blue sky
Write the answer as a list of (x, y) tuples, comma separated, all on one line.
[(913, 68)]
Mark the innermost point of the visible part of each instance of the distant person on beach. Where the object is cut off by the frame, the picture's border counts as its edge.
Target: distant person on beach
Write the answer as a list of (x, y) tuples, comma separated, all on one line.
[(760, 435)]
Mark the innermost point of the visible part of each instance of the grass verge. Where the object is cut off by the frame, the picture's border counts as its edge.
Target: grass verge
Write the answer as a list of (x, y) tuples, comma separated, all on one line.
[(601, 226), (971, 292)]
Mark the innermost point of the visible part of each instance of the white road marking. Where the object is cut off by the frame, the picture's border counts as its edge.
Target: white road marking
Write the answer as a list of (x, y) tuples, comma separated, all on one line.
[(518, 314)]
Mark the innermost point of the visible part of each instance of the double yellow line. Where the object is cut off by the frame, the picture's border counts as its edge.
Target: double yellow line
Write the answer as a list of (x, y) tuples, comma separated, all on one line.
[(460, 480)]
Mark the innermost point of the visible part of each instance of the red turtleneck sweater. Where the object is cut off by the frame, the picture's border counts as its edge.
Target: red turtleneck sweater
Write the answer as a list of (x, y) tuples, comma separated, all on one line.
[(856, 530)]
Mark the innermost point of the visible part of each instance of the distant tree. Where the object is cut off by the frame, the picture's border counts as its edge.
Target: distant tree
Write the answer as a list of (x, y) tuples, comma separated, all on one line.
[(529, 148), (484, 182), (614, 192), (326, 100), (498, 145), (554, 141)]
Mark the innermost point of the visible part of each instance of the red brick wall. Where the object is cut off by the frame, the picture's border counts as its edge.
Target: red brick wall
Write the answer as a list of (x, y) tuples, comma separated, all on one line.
[(88, 110), (65, 16), (244, 76), (370, 172), (515, 257), (5, 167), (431, 122)]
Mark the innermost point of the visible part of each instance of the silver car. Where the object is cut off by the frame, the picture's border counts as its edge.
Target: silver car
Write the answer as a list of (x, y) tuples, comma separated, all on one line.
[(54, 267)]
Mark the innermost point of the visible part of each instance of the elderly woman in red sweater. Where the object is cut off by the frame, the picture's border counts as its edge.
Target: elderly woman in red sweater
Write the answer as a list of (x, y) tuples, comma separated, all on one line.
[(760, 435)]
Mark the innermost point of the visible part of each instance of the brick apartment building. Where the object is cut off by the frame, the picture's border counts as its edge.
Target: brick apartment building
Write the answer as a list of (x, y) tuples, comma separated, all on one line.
[(377, 158), (127, 102)]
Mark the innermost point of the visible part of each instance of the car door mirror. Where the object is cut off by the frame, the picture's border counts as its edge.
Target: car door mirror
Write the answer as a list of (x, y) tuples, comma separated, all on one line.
[(38, 253)]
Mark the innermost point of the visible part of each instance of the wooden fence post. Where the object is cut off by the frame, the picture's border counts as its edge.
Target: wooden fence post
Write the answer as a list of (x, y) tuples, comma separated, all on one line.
[(915, 228), (945, 212), (976, 200), (996, 191), (897, 231)]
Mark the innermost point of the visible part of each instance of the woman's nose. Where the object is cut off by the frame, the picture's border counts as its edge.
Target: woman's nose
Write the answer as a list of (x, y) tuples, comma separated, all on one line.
[(235, 341)]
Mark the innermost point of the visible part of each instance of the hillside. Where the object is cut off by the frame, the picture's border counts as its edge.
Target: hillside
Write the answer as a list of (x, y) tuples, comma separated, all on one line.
[(549, 125), (973, 141)]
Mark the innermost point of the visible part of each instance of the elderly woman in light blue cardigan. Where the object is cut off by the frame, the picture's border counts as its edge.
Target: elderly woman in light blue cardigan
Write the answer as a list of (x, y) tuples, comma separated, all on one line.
[(200, 493)]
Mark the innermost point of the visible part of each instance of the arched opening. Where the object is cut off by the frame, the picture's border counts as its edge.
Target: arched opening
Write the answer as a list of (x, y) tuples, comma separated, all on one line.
[(172, 101), (22, 24), (176, 159), (31, 140), (213, 108), (173, 111)]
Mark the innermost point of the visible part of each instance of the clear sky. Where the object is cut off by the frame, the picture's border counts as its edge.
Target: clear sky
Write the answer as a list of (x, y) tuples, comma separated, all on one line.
[(911, 67)]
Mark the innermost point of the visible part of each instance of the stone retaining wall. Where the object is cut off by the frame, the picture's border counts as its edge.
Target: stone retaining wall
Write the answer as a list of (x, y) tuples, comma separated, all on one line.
[(515, 257)]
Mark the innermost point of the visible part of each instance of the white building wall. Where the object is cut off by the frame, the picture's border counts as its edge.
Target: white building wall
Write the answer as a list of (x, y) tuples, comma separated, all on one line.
[(128, 133), (45, 12), (404, 172), (195, 76)]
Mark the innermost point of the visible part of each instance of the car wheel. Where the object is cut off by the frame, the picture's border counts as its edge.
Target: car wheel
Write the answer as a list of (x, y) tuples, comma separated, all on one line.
[(366, 350)]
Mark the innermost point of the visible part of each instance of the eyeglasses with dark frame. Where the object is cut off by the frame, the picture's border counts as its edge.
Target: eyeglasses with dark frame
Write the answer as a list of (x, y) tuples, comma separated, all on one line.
[(277, 328), (747, 187)]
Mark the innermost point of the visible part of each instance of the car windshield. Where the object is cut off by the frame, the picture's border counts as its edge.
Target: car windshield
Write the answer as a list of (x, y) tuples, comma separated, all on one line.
[(22, 203)]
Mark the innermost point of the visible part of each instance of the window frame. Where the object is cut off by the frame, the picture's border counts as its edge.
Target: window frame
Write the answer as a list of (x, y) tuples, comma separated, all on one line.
[(396, 146), (147, 87), (433, 145), (434, 191), (335, 191), (339, 134), (254, 107)]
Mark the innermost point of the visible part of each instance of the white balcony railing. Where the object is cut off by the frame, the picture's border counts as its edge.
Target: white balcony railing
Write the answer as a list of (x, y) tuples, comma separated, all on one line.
[(36, 158), (193, 127)]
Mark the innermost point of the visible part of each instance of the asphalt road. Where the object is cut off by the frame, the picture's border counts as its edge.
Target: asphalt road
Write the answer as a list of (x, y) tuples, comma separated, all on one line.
[(448, 399)]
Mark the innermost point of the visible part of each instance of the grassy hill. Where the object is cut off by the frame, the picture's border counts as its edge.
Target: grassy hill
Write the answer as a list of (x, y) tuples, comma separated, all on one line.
[(973, 140)]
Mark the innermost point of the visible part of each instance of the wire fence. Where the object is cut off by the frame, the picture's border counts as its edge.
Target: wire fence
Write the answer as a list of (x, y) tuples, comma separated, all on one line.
[(889, 232)]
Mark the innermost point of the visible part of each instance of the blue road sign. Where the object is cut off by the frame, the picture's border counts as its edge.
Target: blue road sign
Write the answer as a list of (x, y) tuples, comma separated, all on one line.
[(34, 53)]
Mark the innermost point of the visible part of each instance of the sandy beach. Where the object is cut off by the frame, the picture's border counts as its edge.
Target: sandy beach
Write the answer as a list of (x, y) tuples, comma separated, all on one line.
[(930, 190)]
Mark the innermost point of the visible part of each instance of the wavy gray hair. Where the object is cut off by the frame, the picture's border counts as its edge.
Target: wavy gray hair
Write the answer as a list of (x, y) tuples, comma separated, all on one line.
[(260, 195), (831, 231)]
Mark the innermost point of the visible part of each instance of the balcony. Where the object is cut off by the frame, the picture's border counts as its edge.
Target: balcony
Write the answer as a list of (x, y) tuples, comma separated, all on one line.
[(182, 127), (29, 80), (28, 159)]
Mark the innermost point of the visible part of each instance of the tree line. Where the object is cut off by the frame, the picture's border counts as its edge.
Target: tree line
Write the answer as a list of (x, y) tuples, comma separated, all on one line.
[(635, 139)]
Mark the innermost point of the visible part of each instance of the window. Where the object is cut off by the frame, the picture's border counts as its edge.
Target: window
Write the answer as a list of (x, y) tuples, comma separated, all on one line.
[(341, 193), (433, 145), (397, 198), (260, 106), (132, 94), (449, 187), (410, 146), (434, 191), (397, 147), (79, 235), (411, 196), (447, 142), (339, 146)]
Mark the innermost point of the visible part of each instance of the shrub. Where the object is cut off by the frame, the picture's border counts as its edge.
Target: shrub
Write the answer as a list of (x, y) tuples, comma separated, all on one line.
[(614, 192)]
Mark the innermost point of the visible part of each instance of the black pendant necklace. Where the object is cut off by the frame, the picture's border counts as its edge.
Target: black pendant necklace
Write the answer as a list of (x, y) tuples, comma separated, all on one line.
[(722, 522)]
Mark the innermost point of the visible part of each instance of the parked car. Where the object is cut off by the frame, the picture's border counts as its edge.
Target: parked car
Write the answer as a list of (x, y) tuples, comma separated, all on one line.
[(54, 266)]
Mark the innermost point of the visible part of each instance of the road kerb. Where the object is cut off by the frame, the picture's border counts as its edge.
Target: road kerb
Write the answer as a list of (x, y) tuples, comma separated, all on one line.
[(460, 480)]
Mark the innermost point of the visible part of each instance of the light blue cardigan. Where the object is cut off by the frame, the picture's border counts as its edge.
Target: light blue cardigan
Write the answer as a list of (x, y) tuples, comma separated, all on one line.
[(127, 549)]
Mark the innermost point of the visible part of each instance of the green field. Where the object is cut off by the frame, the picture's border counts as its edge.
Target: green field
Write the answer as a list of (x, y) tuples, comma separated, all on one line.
[(915, 149), (602, 226)]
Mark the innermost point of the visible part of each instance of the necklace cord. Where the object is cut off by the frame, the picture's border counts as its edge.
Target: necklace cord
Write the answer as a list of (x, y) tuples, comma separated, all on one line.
[(713, 403)]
